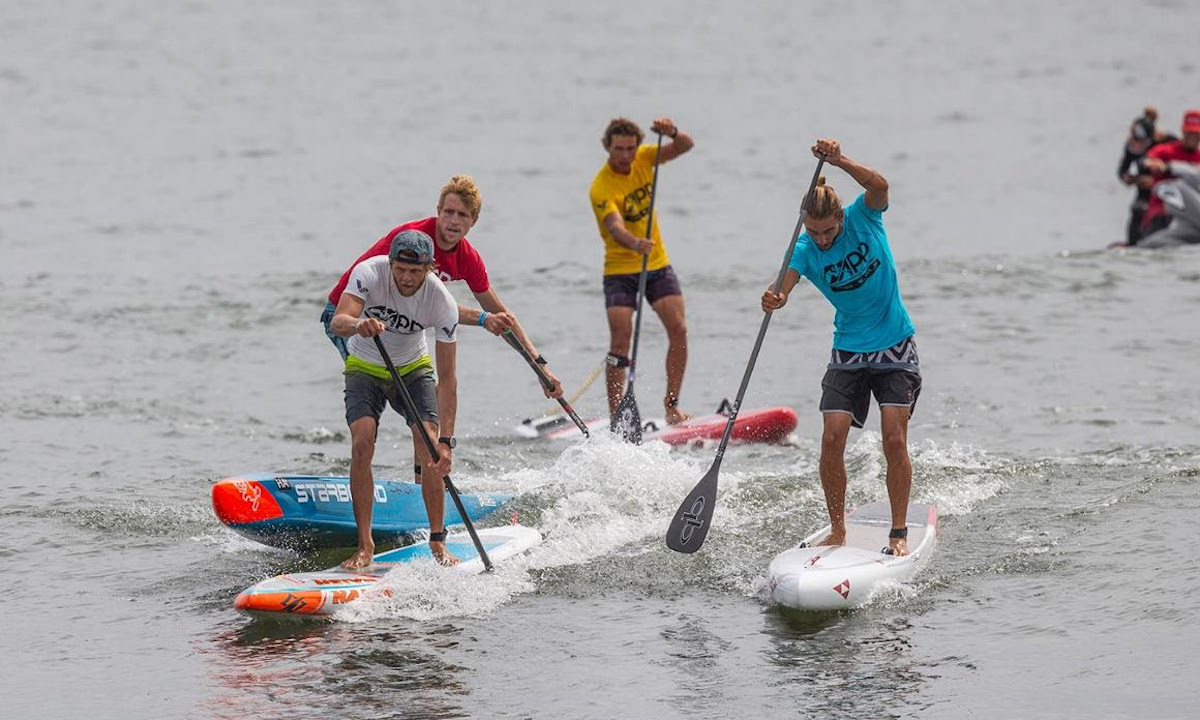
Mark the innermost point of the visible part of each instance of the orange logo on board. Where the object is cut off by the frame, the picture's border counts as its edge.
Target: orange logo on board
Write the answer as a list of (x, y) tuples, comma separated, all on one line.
[(341, 597), (251, 492)]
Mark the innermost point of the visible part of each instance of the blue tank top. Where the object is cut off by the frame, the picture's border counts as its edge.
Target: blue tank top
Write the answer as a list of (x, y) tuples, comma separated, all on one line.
[(858, 276)]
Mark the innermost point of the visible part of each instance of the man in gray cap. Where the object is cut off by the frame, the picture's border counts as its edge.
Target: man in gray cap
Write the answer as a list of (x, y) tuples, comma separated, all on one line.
[(397, 297)]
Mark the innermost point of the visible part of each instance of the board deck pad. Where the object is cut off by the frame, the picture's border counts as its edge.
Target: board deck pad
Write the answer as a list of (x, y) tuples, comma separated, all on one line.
[(323, 592), (832, 577)]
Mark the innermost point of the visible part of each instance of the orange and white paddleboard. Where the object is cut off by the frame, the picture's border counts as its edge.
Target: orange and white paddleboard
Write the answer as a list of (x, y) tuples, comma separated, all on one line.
[(315, 594)]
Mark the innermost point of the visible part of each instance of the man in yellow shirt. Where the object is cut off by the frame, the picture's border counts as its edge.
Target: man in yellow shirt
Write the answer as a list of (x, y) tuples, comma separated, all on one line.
[(620, 196)]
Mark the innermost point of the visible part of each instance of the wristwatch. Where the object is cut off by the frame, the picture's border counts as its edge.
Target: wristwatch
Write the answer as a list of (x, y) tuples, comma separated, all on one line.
[(448, 442)]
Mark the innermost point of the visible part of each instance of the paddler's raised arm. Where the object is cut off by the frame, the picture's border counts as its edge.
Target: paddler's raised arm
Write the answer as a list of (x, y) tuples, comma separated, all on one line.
[(680, 143), (875, 184)]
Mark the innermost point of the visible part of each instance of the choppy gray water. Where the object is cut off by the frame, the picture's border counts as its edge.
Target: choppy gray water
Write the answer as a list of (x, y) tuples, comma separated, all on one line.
[(181, 183)]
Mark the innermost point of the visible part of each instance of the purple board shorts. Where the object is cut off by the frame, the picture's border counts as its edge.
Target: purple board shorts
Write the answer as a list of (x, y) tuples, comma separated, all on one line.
[(621, 290)]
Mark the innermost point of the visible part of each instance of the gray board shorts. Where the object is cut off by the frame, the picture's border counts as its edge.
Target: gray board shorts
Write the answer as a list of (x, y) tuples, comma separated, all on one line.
[(367, 395)]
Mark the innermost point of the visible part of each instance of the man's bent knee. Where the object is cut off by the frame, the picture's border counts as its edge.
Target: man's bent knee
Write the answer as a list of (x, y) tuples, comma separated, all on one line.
[(677, 331), (362, 447), (895, 446)]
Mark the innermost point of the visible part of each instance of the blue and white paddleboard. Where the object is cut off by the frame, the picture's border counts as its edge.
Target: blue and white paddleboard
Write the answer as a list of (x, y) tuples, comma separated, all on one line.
[(321, 593), (835, 577), (305, 512)]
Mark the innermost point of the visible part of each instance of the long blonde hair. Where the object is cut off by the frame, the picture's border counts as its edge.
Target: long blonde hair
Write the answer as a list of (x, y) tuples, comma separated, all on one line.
[(824, 202)]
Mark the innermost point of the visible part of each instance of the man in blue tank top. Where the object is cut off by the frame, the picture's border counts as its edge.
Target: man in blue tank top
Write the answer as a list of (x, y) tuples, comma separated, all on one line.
[(845, 254)]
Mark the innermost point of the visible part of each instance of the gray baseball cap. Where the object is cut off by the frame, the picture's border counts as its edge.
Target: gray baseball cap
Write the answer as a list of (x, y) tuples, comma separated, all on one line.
[(415, 242)]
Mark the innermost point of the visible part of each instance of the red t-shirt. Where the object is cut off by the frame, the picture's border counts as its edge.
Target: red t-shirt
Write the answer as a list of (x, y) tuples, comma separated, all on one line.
[(461, 263), (1166, 152)]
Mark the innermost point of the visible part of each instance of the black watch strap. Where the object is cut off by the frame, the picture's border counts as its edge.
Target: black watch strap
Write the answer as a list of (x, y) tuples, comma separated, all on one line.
[(448, 442), (540, 360)]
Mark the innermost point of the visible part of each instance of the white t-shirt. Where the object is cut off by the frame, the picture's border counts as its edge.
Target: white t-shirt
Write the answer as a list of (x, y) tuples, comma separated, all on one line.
[(406, 318)]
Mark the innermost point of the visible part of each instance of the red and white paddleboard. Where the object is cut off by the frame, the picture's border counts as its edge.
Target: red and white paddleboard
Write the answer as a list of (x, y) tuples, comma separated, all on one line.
[(760, 425)]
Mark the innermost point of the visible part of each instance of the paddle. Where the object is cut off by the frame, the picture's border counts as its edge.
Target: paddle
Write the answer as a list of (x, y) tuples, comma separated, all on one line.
[(587, 383), (546, 383), (410, 410), (690, 525), (627, 421)]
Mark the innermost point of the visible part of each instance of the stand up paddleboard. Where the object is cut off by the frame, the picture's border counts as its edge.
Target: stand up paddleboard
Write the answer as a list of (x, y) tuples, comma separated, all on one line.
[(315, 594), (762, 425), (835, 577), (306, 512)]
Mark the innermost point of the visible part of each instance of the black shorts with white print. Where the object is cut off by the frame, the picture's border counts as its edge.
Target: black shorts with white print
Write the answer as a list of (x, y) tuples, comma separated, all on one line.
[(892, 375)]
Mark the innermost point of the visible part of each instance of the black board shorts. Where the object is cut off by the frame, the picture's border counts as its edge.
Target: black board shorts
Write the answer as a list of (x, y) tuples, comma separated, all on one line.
[(893, 376)]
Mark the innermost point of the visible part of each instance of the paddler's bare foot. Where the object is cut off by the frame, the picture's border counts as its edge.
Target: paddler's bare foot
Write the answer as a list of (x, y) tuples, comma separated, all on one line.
[(836, 537), (359, 560), (674, 415), (898, 546), (441, 554)]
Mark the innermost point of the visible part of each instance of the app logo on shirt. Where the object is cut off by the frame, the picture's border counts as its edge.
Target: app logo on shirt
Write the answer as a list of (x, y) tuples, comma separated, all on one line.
[(635, 205), (851, 271), (395, 320)]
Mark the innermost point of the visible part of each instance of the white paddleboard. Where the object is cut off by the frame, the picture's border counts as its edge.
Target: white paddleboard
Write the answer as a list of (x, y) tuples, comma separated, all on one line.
[(835, 577), (323, 592)]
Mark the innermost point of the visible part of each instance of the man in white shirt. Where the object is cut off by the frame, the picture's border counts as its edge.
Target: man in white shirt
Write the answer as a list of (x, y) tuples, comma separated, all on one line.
[(397, 297)]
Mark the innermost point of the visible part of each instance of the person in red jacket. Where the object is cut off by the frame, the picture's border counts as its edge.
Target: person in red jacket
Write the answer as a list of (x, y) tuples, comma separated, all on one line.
[(454, 259), (1143, 135), (1186, 149)]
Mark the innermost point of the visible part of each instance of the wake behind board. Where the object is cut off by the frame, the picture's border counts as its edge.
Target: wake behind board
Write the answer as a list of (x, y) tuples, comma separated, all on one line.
[(306, 512), (759, 425), (834, 577), (316, 594)]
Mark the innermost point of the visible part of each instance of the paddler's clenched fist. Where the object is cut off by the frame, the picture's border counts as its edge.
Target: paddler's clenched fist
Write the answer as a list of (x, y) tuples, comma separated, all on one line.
[(772, 300), (831, 149), (369, 327)]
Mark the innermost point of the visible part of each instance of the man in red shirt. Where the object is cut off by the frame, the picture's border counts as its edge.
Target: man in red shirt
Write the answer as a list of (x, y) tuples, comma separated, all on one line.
[(454, 259), (1185, 150)]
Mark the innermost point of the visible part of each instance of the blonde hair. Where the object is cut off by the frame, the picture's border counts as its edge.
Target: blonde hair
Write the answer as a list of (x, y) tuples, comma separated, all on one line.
[(465, 188), (824, 201)]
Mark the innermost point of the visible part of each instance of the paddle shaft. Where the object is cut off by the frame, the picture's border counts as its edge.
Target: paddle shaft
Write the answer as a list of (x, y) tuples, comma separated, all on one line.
[(646, 261), (690, 524), (637, 323), (546, 383), (627, 421), (410, 409), (762, 330)]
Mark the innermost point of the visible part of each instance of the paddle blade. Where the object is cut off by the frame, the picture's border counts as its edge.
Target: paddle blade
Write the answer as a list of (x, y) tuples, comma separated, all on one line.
[(690, 525), (627, 421)]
